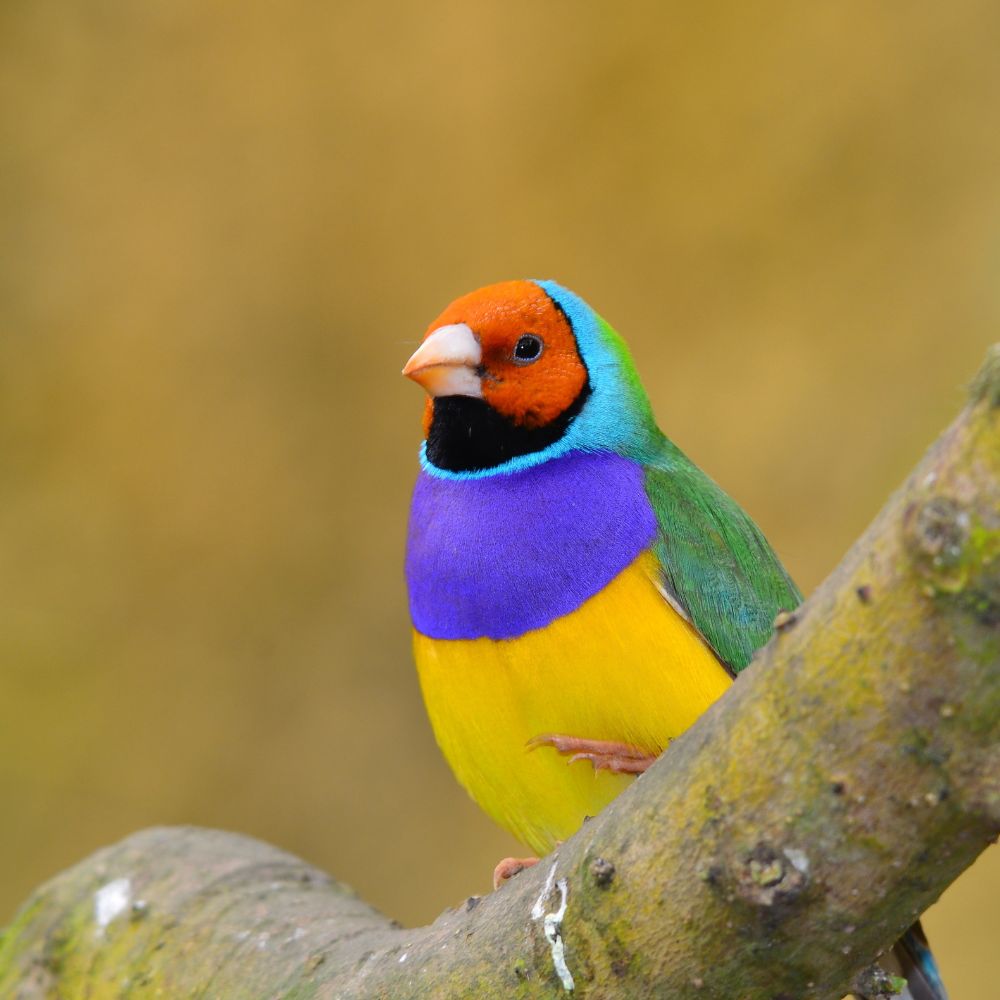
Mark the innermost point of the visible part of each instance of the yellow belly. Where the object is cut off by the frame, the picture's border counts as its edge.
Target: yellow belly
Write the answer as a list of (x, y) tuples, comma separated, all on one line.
[(624, 666)]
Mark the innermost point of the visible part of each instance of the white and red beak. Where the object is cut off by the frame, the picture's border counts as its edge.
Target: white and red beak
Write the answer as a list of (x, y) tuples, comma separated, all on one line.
[(447, 363)]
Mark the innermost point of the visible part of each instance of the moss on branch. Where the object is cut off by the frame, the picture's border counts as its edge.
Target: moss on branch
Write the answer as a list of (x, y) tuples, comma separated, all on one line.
[(774, 851)]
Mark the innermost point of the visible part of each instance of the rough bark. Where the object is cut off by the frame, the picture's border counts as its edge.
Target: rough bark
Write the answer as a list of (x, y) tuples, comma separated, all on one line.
[(776, 849)]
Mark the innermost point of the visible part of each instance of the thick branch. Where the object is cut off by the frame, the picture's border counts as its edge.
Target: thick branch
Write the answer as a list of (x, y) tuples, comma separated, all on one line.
[(792, 834)]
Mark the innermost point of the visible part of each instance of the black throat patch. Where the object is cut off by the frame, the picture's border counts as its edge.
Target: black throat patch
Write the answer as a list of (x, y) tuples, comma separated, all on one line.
[(467, 434)]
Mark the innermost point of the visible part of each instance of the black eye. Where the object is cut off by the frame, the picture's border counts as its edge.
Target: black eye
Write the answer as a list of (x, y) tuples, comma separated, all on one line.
[(528, 348)]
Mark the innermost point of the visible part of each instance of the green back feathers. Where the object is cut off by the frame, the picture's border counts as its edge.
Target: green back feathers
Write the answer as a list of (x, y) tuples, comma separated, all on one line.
[(716, 563)]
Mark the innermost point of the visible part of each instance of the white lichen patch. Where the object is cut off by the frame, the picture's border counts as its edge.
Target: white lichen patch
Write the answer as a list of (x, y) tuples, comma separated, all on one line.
[(798, 858), (553, 933), (538, 910), (111, 901), (552, 926)]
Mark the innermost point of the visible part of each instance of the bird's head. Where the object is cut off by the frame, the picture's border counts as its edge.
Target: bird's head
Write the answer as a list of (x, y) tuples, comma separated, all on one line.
[(520, 372)]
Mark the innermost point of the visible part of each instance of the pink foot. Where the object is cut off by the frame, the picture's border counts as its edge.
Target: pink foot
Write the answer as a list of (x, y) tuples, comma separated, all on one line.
[(619, 758), (510, 867)]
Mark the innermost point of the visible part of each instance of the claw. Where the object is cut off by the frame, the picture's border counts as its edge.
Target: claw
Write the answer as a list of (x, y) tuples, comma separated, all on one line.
[(510, 867), (604, 755)]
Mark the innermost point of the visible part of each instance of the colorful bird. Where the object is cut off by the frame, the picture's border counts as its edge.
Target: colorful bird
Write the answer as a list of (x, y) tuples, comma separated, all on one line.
[(578, 587)]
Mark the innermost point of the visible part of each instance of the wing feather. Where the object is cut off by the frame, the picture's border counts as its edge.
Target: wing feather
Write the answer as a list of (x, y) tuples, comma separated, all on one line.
[(715, 563)]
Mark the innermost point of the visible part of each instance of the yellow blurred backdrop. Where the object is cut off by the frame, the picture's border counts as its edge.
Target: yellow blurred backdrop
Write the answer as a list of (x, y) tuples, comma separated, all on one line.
[(226, 225)]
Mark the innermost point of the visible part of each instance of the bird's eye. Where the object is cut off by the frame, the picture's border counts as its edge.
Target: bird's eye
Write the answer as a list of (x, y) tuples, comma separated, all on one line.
[(527, 349)]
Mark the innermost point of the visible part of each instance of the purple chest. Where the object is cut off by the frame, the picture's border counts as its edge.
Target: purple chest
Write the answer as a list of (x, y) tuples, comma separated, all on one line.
[(502, 555)]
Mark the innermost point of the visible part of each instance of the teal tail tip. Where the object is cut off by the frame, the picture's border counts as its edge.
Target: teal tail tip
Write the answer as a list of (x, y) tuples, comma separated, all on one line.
[(923, 978)]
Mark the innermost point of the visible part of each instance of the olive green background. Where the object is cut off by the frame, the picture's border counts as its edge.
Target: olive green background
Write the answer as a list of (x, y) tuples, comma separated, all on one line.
[(226, 225)]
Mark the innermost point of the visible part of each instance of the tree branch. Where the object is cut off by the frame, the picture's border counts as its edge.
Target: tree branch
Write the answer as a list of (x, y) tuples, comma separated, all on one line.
[(777, 847)]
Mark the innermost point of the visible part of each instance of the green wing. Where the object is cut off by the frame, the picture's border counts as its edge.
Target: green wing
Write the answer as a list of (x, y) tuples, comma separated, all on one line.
[(716, 564)]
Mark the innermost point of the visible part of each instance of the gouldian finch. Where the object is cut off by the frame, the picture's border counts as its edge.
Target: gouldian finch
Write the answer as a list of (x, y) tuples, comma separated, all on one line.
[(579, 589)]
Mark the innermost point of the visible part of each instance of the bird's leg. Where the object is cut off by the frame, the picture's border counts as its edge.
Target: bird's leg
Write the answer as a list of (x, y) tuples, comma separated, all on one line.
[(510, 867), (604, 755), (618, 758)]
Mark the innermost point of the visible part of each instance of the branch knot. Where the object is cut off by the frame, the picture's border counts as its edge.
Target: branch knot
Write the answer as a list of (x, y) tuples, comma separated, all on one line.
[(769, 878)]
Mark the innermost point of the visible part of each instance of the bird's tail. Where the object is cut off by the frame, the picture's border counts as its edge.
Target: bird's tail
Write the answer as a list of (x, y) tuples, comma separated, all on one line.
[(917, 966)]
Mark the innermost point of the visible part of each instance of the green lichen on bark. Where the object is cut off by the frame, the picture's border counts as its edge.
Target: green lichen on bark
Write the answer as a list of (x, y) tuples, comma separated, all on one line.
[(792, 834)]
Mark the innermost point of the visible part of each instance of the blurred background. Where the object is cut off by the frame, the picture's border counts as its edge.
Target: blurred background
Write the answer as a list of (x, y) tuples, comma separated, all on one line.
[(226, 226)]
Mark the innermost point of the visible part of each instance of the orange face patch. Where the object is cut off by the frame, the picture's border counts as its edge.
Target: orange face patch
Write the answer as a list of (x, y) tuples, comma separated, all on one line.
[(529, 390)]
